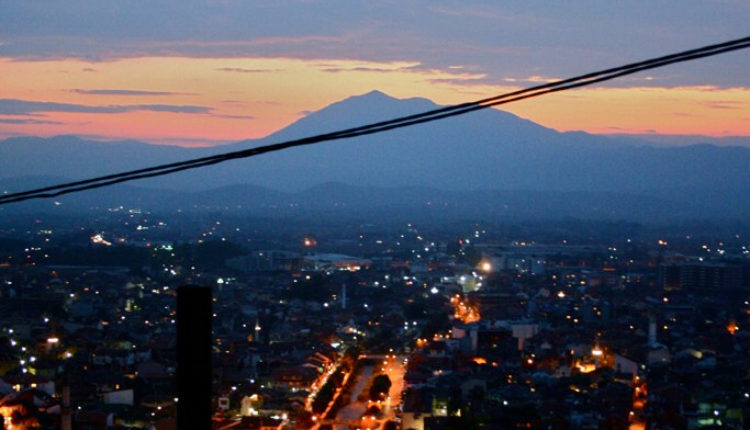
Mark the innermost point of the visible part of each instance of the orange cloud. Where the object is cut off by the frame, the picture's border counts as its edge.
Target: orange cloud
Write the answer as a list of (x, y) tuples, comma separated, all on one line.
[(703, 110)]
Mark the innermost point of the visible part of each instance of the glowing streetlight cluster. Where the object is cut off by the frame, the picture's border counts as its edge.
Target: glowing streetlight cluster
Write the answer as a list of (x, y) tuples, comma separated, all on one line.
[(463, 311)]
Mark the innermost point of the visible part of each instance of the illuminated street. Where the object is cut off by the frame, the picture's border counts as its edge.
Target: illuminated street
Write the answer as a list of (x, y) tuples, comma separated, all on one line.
[(352, 415), (355, 409)]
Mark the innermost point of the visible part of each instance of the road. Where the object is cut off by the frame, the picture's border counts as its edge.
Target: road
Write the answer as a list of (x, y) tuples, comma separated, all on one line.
[(350, 416), (395, 370), (354, 409), (394, 367)]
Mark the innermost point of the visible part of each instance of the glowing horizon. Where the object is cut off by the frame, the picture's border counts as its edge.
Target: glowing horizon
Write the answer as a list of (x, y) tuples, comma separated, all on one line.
[(208, 101)]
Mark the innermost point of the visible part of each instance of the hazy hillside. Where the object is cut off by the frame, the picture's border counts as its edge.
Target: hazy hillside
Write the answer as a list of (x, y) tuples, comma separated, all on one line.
[(486, 150)]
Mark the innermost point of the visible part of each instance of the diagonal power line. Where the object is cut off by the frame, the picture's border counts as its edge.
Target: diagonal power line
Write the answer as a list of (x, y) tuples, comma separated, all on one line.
[(378, 127)]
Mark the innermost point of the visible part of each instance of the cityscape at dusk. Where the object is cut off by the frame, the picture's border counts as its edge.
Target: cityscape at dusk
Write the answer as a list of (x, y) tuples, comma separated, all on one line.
[(217, 214)]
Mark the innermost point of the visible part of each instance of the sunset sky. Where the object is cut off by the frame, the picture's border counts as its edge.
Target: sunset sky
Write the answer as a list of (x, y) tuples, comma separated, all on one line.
[(208, 72)]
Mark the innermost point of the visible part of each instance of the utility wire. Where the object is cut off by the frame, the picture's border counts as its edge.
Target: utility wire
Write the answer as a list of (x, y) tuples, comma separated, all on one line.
[(378, 127)]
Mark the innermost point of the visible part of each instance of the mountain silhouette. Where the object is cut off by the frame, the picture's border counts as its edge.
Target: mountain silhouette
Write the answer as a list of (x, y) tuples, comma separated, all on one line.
[(488, 150)]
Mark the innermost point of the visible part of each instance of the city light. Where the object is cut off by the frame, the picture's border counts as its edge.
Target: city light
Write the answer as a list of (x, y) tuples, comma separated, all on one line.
[(732, 328), (486, 266)]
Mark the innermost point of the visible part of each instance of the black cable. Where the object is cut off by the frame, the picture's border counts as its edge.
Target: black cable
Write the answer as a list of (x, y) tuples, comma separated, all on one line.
[(399, 122), (466, 107), (432, 115)]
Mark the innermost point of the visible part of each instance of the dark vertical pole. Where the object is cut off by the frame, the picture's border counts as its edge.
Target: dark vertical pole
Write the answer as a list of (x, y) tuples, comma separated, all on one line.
[(65, 421), (193, 358)]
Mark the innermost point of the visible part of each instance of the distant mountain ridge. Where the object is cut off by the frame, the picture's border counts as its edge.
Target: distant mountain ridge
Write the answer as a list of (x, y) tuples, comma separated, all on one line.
[(337, 201), (487, 151)]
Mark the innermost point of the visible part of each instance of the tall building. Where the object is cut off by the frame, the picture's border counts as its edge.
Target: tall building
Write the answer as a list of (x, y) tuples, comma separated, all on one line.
[(705, 276)]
